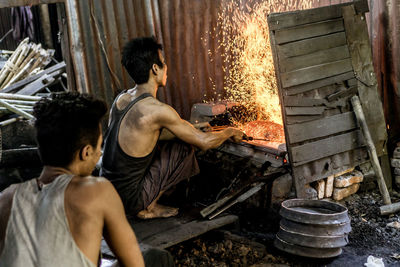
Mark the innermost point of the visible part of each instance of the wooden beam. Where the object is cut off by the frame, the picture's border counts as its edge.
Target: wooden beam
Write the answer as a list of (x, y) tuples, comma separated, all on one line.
[(313, 59), (333, 81), (308, 46), (314, 73), (321, 128), (14, 3), (326, 147), (361, 55), (289, 19), (309, 31), (297, 111), (17, 85)]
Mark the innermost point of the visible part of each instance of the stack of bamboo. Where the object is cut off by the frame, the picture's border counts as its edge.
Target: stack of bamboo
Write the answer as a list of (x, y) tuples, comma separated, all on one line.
[(27, 59), (18, 104)]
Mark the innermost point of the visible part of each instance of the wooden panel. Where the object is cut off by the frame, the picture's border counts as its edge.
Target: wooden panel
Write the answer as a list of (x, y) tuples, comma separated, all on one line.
[(304, 111), (296, 101), (326, 147), (312, 45), (290, 19), (334, 81), (300, 119), (14, 3), (315, 73), (321, 128), (316, 58), (360, 50), (308, 31)]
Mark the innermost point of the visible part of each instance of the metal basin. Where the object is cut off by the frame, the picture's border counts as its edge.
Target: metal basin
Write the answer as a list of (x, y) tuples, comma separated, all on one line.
[(314, 212)]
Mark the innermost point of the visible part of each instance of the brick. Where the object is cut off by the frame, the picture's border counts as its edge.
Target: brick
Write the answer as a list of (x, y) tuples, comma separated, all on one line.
[(396, 153), (348, 179), (329, 186), (321, 188), (282, 186), (340, 193), (397, 171), (343, 172), (395, 163)]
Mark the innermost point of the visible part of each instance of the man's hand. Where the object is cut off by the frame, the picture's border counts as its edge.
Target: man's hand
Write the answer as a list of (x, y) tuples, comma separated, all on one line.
[(236, 135)]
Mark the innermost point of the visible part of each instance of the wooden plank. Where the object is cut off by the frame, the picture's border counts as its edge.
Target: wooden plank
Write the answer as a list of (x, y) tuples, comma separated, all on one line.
[(14, 3), (300, 101), (346, 92), (321, 128), (65, 50), (311, 45), (41, 83), (17, 85), (309, 31), (290, 19), (314, 73), (316, 58), (300, 119), (326, 147), (329, 82), (185, 231), (298, 111), (360, 50)]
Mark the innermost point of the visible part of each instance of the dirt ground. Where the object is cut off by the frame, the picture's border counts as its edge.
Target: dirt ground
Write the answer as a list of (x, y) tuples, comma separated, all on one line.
[(252, 244)]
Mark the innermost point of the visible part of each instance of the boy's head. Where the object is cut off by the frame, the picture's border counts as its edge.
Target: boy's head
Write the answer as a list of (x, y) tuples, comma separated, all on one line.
[(141, 56), (66, 126)]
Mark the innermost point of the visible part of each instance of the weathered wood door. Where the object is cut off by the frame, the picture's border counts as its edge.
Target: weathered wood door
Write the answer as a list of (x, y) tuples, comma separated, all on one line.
[(323, 57)]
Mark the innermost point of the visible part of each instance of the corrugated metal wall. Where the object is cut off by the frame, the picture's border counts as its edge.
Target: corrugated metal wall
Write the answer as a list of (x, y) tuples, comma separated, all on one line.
[(181, 26)]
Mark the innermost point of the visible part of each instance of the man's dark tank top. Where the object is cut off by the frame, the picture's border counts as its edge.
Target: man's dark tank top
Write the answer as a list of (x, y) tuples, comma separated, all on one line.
[(126, 173)]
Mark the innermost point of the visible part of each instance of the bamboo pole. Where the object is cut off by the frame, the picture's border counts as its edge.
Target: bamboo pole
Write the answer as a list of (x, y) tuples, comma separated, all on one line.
[(10, 61), (355, 101), (17, 63), (19, 97), (16, 110), (9, 121), (20, 102)]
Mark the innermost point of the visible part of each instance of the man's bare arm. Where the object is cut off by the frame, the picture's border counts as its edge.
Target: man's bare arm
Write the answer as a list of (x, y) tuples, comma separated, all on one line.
[(117, 231), (168, 118)]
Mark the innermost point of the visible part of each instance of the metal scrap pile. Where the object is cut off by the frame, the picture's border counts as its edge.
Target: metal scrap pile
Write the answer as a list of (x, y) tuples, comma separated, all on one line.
[(27, 73)]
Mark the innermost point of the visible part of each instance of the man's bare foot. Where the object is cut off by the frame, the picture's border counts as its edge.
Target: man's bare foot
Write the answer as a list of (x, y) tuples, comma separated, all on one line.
[(158, 211)]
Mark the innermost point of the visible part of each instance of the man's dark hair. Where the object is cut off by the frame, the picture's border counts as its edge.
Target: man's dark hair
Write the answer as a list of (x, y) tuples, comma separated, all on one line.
[(65, 123), (138, 57)]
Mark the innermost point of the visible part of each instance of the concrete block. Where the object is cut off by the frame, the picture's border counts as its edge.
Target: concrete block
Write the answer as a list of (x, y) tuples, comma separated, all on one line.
[(320, 188), (343, 172), (396, 171), (395, 163), (282, 186), (329, 186), (397, 181), (340, 193), (396, 153), (348, 179)]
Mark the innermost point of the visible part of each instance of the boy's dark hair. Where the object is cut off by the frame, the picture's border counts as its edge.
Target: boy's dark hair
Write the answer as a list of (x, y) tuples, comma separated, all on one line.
[(138, 57), (65, 124)]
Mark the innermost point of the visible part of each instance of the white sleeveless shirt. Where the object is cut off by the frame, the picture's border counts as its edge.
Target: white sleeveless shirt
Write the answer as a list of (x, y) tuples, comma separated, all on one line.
[(37, 231)]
